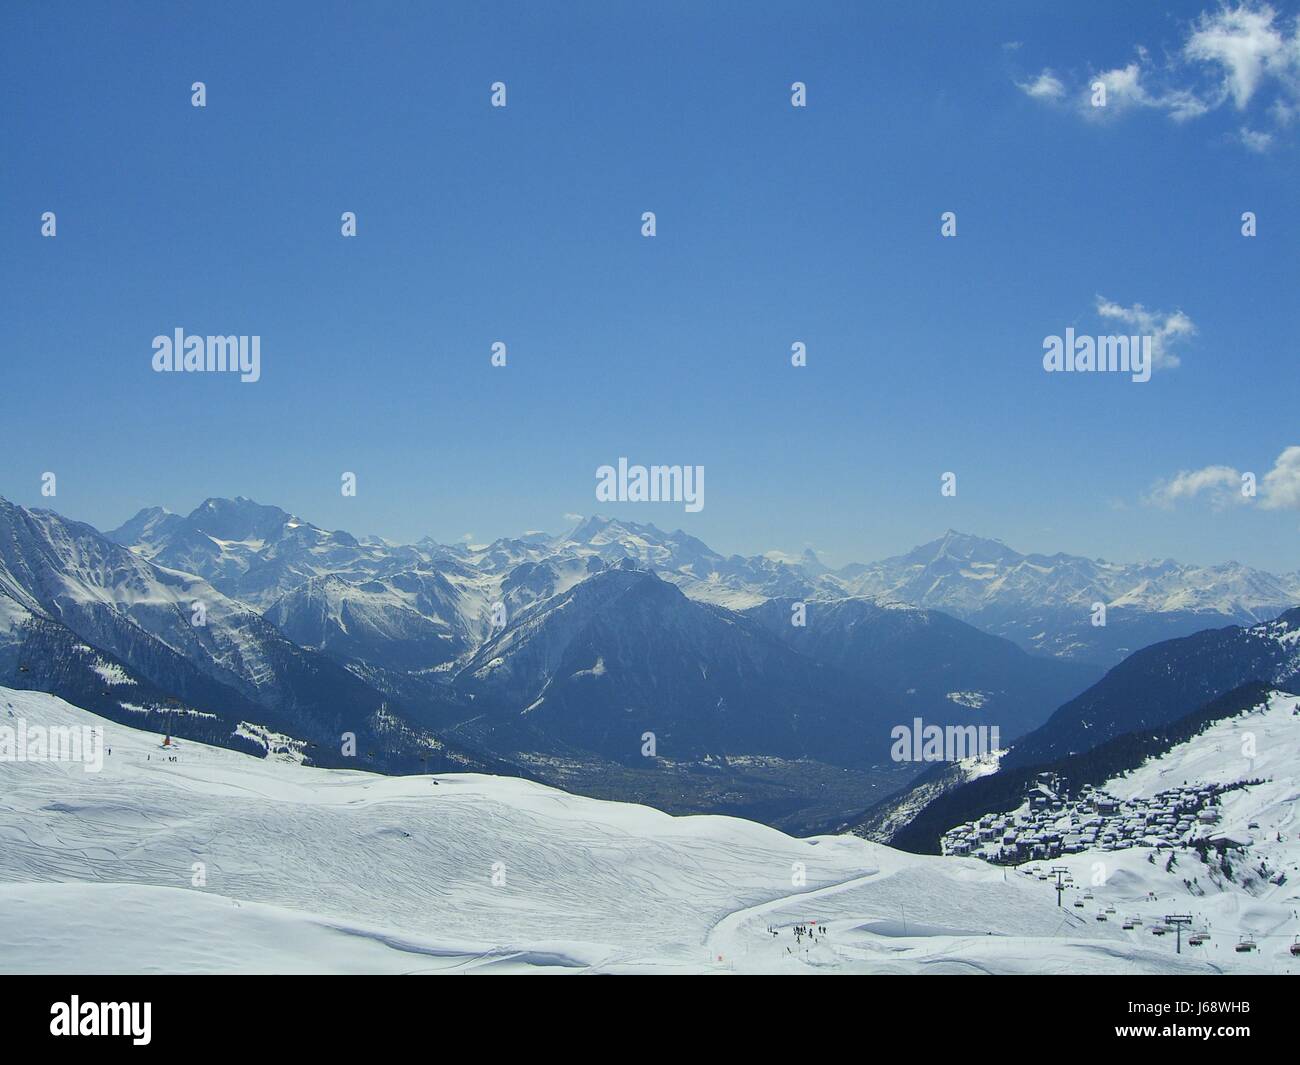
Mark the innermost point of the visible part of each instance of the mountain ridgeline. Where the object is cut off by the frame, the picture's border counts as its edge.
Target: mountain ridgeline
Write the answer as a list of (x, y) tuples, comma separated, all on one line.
[(637, 663), (1005, 790), (1141, 707)]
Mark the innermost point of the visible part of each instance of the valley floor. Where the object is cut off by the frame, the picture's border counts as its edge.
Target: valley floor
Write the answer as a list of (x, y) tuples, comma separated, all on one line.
[(221, 862)]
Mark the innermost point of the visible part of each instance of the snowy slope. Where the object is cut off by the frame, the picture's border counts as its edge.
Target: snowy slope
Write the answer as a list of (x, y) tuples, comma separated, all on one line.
[(329, 870), (1257, 896)]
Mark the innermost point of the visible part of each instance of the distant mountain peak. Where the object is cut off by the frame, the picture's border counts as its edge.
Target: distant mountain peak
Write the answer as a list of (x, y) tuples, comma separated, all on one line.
[(238, 519), (954, 544), (590, 528), (148, 525)]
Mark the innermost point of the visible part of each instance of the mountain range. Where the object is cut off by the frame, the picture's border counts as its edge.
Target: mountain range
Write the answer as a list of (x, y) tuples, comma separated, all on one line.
[(614, 657), (257, 554)]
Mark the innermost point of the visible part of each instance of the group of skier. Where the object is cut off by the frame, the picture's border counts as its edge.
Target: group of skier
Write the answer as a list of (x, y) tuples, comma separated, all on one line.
[(810, 929)]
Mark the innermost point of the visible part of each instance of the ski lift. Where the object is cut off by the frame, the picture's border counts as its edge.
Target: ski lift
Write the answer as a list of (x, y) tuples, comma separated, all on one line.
[(1101, 916), (1197, 938), (1245, 946), (1127, 926), (1295, 948), (1158, 930)]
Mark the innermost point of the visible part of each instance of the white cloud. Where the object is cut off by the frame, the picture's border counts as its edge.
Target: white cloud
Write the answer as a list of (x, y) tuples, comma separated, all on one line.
[(1280, 489), (573, 517), (1165, 330), (1047, 86), (1123, 89), (1126, 87), (1230, 55), (1222, 484), (1255, 140), (1246, 45)]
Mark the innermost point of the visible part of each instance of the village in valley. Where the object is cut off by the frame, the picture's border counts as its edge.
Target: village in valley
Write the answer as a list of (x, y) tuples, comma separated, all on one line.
[(1051, 823)]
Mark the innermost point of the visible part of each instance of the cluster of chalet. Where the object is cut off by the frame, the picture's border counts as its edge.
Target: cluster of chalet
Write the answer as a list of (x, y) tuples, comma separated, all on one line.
[(1051, 823)]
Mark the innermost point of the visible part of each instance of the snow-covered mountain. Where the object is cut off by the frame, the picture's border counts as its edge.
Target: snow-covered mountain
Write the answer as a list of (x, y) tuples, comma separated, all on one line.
[(573, 647), (434, 616), (140, 612), (1044, 602), (625, 653), (966, 574), (257, 554), (175, 631), (1161, 689), (1158, 692), (572, 650), (254, 553), (1163, 682), (198, 859), (414, 621)]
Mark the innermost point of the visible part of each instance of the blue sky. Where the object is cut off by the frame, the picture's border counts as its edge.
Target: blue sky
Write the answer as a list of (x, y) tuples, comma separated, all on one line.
[(775, 224)]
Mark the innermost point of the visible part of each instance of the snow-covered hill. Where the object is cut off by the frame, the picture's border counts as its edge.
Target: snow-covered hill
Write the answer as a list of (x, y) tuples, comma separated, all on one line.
[(219, 862)]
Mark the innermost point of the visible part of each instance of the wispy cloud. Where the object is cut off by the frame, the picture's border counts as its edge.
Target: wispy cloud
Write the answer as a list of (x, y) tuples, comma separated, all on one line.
[(1047, 86), (1229, 57), (1166, 329), (1256, 140)]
